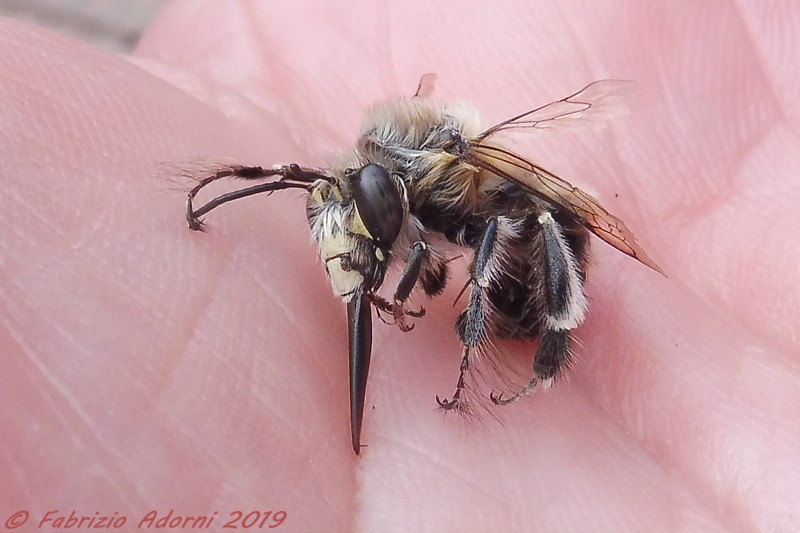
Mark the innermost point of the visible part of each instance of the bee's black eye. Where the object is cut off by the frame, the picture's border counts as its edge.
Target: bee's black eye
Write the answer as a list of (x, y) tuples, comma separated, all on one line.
[(378, 203)]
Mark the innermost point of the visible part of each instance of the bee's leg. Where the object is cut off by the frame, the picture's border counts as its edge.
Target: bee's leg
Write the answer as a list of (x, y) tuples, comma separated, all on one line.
[(420, 253), (564, 302), (420, 267), (471, 324)]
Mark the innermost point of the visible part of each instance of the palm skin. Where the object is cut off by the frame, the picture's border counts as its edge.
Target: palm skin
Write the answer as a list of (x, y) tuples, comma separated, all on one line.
[(149, 367)]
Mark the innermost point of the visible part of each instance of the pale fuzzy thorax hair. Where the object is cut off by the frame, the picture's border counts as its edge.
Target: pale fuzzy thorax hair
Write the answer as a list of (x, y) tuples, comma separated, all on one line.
[(408, 121)]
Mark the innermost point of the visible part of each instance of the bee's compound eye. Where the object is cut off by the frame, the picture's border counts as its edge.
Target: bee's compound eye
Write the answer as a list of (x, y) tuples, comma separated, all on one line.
[(378, 203)]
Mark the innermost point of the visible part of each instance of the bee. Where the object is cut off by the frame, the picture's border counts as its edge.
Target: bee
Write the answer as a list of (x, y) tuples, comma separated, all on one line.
[(421, 171)]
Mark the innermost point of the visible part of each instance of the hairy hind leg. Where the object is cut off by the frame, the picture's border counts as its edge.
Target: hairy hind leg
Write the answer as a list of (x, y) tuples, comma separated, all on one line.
[(564, 304), (472, 325)]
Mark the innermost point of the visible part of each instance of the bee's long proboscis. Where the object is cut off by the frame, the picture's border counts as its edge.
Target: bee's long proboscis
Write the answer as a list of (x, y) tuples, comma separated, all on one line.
[(359, 328)]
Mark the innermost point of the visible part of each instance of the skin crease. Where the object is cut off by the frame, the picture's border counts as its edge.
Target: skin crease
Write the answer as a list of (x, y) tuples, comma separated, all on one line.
[(147, 367)]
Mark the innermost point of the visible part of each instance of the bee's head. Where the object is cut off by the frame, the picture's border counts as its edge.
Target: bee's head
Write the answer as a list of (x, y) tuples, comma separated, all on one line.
[(356, 222)]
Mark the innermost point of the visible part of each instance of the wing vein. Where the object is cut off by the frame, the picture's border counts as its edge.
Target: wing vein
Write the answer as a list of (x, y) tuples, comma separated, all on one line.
[(581, 206)]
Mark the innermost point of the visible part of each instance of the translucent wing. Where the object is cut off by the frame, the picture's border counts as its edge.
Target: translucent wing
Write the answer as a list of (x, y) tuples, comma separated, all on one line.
[(585, 209), (426, 85), (591, 106)]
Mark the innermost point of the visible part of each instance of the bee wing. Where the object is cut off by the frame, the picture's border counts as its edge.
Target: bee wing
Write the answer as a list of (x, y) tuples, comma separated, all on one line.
[(592, 105), (584, 208), (426, 85)]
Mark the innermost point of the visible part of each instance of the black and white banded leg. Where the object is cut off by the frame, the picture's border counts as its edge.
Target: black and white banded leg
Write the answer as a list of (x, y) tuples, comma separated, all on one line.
[(565, 307), (471, 325)]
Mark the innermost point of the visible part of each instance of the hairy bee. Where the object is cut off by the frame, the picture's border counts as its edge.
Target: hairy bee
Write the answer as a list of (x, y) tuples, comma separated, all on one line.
[(421, 169)]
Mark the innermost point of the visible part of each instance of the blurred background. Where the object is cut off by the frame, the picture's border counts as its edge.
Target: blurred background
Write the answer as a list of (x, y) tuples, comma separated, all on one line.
[(113, 25)]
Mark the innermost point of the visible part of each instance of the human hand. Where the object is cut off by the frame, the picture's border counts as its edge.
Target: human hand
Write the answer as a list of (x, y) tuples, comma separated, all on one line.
[(150, 367)]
